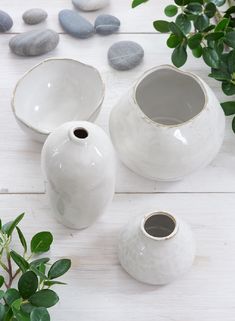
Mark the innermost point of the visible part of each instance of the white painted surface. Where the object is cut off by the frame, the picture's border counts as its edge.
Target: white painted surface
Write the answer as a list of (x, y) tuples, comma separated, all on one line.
[(98, 288)]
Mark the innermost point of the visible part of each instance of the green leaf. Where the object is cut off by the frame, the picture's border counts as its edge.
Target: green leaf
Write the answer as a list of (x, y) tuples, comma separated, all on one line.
[(193, 8), (218, 3), (1, 281), (229, 108), (44, 298), (201, 22), (37, 262), (27, 308), (179, 56), (220, 75), (17, 303), (222, 25), (41, 275), (230, 39), (211, 57), (8, 315), (231, 61), (2, 293), (2, 311), (228, 88), (233, 124), (210, 9), (195, 41), (136, 3), (20, 261), (171, 10), (22, 239), (173, 41), (181, 2), (28, 284), (41, 242), (9, 227), (39, 314), (50, 283), (214, 36), (11, 295), (161, 26), (174, 28), (59, 268), (19, 315), (183, 23)]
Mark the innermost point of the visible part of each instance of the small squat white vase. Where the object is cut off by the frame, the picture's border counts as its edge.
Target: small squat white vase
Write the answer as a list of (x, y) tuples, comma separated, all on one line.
[(79, 165), (168, 125), (157, 248)]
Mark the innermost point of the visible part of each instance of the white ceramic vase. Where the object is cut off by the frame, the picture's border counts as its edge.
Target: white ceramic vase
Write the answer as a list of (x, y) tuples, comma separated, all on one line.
[(168, 125), (157, 248), (79, 165)]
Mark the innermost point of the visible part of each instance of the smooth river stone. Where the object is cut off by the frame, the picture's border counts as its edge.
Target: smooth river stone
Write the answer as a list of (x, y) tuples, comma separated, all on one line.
[(90, 5), (125, 55), (6, 21), (34, 16), (106, 24), (74, 24), (34, 43)]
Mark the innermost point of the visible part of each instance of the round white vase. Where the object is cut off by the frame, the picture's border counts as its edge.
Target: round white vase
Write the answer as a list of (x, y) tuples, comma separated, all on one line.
[(168, 125), (157, 248), (79, 165)]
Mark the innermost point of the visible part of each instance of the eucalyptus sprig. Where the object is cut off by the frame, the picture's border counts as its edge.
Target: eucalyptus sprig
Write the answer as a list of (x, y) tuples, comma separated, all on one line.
[(32, 296), (200, 26)]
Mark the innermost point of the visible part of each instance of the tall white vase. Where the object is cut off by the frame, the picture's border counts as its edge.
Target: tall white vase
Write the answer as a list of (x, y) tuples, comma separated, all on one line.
[(79, 165)]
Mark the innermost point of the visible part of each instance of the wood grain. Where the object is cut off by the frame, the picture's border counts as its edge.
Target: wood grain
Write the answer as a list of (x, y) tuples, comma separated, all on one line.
[(98, 289)]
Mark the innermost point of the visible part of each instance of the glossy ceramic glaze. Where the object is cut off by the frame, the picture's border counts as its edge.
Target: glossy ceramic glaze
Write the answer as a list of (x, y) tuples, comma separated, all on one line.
[(79, 165), (157, 248), (54, 92), (168, 125)]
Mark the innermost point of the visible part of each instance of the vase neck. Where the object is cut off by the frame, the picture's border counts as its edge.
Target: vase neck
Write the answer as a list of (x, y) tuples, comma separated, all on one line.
[(79, 135)]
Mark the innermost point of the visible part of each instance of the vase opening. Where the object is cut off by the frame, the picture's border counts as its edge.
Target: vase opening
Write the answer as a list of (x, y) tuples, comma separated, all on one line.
[(170, 97), (80, 133), (160, 225)]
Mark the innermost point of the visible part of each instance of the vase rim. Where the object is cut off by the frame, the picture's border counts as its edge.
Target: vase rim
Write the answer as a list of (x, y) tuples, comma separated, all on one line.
[(177, 70), (159, 238), (79, 134)]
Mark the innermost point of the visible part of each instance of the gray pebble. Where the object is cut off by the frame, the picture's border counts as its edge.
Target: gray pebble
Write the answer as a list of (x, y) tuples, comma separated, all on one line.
[(125, 55), (76, 25), (6, 21), (90, 5), (34, 43), (106, 24), (34, 16)]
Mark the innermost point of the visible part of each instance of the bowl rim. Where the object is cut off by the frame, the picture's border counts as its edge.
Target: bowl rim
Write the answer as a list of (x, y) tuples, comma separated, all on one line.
[(43, 131)]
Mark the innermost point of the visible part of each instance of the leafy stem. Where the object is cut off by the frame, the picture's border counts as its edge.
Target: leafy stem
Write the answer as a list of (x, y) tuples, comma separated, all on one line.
[(200, 26)]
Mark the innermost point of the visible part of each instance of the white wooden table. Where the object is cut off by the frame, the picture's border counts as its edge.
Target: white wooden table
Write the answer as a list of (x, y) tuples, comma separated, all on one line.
[(98, 289)]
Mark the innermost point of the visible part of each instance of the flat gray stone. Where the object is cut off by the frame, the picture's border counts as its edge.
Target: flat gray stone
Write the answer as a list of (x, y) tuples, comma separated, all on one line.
[(6, 21), (90, 5), (74, 24), (34, 16), (106, 24), (34, 43), (125, 55)]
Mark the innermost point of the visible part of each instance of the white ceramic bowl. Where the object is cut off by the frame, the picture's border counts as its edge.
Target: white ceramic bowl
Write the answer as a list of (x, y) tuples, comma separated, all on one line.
[(56, 91)]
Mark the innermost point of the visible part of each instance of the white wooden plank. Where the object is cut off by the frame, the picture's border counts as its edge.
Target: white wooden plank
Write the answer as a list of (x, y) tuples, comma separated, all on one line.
[(138, 20), (99, 290), (20, 157)]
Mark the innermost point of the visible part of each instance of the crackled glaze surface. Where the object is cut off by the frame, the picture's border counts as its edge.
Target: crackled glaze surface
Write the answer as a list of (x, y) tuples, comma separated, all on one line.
[(168, 125), (156, 261)]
